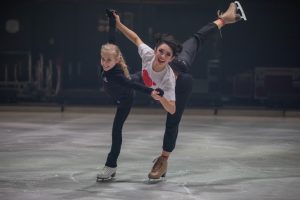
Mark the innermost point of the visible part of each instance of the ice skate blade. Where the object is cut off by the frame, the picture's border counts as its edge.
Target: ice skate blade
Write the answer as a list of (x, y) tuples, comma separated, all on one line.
[(102, 180), (240, 8), (153, 181)]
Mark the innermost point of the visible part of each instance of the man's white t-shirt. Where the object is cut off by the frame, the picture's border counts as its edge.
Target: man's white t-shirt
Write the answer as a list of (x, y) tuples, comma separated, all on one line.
[(164, 79)]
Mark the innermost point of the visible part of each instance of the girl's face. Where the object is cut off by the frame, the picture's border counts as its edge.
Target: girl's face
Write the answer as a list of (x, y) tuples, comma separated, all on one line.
[(163, 55), (108, 60)]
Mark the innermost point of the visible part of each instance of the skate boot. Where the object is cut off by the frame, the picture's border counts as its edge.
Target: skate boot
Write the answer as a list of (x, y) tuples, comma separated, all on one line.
[(231, 15), (107, 173), (159, 168)]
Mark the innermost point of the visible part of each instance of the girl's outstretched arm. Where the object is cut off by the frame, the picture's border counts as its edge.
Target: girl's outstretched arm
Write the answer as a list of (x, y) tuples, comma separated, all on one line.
[(131, 35)]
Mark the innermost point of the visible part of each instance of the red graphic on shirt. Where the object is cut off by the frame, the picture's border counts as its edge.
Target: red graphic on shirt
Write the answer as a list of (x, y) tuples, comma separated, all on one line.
[(147, 79)]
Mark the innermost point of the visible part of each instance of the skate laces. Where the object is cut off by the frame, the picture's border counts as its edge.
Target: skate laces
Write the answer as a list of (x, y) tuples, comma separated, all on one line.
[(104, 170), (158, 163), (107, 170)]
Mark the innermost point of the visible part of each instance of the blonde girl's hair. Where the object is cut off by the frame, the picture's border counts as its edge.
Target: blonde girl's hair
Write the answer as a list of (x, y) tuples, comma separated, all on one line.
[(114, 49)]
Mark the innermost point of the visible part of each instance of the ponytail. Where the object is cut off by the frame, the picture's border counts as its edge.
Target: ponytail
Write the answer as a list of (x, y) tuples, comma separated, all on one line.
[(124, 66)]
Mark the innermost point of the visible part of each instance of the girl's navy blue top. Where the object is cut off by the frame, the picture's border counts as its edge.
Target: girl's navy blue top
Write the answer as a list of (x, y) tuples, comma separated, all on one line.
[(119, 87)]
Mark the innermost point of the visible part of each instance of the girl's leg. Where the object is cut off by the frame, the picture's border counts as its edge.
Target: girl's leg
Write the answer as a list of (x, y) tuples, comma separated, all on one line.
[(120, 117), (181, 65), (183, 89), (192, 45), (184, 81), (184, 85)]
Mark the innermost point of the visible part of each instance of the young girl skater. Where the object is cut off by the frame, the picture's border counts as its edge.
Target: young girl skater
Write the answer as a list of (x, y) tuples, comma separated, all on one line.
[(118, 84), (184, 81)]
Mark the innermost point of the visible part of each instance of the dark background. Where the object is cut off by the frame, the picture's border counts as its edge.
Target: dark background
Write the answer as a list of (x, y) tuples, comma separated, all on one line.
[(67, 33)]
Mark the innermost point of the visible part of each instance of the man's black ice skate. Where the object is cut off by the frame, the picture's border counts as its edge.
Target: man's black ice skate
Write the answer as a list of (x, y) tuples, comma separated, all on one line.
[(106, 174)]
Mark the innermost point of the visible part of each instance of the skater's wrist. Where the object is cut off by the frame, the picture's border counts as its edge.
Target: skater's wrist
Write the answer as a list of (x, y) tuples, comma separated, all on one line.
[(219, 23), (222, 21)]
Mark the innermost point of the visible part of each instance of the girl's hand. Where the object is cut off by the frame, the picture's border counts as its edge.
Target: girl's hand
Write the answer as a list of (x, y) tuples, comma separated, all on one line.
[(155, 95), (160, 91), (117, 17)]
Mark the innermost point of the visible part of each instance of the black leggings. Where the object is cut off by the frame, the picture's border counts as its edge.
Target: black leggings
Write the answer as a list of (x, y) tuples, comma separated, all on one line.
[(184, 82), (184, 85), (121, 115)]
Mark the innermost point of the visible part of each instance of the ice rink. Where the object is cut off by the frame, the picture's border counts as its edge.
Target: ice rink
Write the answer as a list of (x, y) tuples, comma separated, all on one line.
[(49, 155)]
